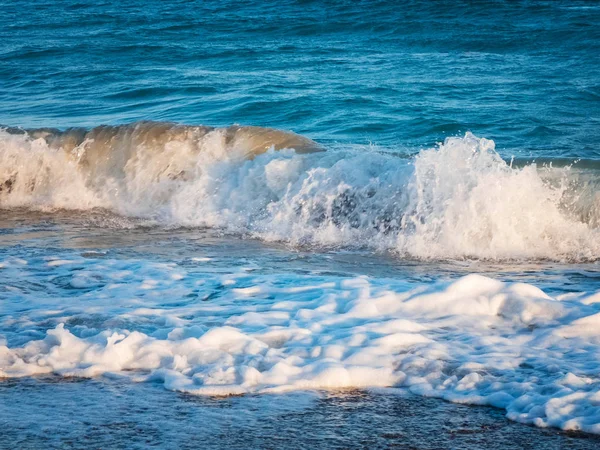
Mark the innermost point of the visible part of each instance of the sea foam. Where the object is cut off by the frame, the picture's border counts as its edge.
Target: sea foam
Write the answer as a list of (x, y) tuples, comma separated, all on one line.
[(475, 340), (458, 200)]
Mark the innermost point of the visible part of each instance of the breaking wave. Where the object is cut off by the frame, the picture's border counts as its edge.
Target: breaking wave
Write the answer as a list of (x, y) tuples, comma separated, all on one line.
[(458, 200)]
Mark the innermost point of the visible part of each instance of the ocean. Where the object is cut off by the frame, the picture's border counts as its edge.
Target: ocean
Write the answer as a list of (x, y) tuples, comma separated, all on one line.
[(299, 224)]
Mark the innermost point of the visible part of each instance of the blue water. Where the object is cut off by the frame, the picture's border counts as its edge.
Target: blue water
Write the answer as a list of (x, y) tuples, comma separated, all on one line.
[(403, 76), (442, 243)]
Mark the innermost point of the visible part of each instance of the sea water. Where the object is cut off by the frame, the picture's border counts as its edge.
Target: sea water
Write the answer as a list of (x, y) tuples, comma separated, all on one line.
[(426, 226)]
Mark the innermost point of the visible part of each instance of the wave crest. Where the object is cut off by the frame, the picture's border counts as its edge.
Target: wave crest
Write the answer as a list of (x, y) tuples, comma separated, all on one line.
[(458, 200)]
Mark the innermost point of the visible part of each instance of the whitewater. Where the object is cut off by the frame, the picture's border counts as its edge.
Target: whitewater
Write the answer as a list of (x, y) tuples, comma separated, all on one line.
[(476, 340), (457, 200), (232, 329)]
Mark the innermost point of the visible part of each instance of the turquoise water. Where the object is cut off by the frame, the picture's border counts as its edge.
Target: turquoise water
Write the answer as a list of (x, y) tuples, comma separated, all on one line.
[(402, 76), (403, 230)]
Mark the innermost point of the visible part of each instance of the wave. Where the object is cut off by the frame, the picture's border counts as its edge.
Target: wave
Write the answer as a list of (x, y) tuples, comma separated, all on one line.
[(458, 200)]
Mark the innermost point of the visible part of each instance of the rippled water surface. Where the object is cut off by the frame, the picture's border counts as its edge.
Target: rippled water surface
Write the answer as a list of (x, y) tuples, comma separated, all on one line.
[(403, 76)]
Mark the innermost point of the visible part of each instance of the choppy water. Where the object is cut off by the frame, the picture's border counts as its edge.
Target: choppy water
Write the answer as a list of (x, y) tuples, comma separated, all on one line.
[(412, 201), (403, 76)]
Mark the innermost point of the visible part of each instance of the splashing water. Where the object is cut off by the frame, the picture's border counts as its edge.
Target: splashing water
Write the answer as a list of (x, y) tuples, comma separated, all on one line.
[(459, 200)]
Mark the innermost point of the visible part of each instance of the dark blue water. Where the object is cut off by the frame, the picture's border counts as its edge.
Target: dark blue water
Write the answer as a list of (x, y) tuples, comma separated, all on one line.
[(405, 75)]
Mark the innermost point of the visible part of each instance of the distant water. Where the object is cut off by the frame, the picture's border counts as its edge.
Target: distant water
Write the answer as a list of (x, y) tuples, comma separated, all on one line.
[(262, 200), (400, 76)]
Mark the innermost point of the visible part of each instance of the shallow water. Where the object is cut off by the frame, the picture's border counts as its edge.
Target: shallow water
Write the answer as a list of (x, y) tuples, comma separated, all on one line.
[(445, 245), (207, 313), (338, 419)]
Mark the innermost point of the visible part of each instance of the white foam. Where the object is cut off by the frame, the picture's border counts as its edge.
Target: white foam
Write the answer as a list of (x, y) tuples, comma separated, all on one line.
[(475, 340), (455, 201)]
